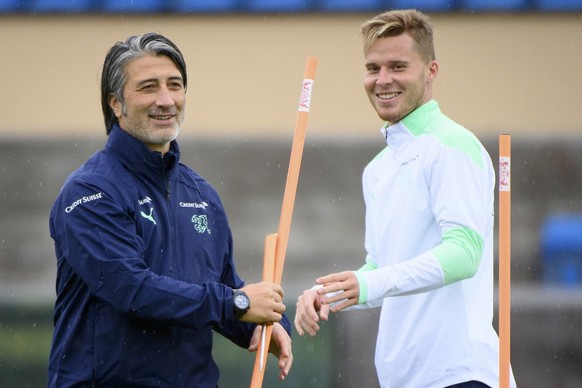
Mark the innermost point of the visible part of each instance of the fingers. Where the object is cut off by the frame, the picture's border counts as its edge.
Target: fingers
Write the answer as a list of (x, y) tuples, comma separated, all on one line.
[(266, 303), (264, 316), (340, 290), (306, 314), (345, 304), (324, 312), (255, 339), (278, 289), (281, 347), (336, 282), (285, 364), (340, 300), (331, 278), (339, 286)]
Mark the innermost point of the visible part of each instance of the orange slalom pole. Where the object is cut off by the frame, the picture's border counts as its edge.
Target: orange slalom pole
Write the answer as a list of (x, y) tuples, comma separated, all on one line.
[(266, 331), (294, 167), (276, 261), (504, 260)]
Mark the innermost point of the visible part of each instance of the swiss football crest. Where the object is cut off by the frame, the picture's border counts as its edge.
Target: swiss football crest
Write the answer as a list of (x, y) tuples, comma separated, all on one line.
[(201, 223)]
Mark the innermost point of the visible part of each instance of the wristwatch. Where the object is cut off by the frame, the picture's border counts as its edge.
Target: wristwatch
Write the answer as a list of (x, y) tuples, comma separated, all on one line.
[(241, 303)]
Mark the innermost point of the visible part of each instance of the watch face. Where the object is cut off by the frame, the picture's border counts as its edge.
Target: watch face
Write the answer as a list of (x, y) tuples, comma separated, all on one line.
[(241, 301)]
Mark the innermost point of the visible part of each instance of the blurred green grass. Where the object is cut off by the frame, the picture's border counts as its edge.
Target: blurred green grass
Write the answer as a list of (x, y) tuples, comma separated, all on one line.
[(25, 337)]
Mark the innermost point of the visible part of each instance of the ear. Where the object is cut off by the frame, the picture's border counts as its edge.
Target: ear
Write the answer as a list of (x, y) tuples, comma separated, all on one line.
[(116, 106), (433, 69)]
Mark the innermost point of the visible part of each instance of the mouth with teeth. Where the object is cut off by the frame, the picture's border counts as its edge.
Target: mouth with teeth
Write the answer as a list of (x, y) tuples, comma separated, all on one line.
[(387, 96), (165, 117)]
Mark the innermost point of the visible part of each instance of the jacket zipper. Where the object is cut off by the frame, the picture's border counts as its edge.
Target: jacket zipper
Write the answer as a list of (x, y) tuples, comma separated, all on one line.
[(176, 332)]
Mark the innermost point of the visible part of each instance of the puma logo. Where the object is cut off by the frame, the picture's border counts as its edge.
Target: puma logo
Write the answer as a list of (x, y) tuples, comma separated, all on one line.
[(149, 216)]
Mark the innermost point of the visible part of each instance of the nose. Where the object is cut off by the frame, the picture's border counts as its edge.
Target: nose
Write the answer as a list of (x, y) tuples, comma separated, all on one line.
[(384, 77), (164, 98)]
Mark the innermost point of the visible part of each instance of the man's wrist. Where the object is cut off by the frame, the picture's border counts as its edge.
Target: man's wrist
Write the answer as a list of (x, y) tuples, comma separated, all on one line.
[(241, 303)]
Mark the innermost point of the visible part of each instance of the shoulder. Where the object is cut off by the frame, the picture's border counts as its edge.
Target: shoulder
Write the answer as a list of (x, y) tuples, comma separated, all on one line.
[(100, 168), (188, 175), (99, 177), (448, 135), (194, 180)]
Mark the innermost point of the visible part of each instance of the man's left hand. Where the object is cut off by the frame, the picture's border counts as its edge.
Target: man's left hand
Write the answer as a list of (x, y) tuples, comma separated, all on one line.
[(342, 287), (280, 346)]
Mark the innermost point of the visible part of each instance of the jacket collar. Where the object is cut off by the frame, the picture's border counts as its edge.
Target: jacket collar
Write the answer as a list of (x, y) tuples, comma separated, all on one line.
[(136, 157), (415, 123)]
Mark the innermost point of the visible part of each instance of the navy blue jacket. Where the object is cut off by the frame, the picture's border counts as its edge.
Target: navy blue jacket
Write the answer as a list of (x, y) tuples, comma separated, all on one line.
[(145, 272)]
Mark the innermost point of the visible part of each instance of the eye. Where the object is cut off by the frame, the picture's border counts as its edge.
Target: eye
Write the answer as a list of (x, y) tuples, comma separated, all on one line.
[(148, 87), (176, 85)]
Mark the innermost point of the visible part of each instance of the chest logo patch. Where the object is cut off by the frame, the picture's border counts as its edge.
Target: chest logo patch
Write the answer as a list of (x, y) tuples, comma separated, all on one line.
[(149, 216), (201, 223)]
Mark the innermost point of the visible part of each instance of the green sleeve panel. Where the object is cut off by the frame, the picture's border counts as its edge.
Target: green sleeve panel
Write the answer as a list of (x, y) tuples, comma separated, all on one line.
[(459, 254), (369, 266)]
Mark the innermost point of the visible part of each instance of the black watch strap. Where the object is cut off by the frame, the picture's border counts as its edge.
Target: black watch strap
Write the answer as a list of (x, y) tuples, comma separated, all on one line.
[(241, 303)]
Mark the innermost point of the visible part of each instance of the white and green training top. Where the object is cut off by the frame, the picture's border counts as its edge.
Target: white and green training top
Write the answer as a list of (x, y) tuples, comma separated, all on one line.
[(429, 240)]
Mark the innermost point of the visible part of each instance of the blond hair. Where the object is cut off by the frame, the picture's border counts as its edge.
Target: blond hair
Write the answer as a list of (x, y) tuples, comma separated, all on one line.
[(397, 22)]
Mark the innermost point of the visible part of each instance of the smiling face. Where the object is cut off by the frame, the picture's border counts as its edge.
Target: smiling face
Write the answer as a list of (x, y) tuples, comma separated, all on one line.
[(397, 79), (154, 97)]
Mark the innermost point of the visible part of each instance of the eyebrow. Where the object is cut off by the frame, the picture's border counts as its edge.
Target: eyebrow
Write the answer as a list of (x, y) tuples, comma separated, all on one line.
[(176, 78), (155, 80), (392, 62)]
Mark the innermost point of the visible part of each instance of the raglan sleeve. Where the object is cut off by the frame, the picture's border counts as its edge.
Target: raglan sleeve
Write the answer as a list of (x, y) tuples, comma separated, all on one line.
[(461, 194)]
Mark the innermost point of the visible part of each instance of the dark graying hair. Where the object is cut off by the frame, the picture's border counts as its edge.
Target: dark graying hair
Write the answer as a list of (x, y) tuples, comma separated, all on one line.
[(113, 77)]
